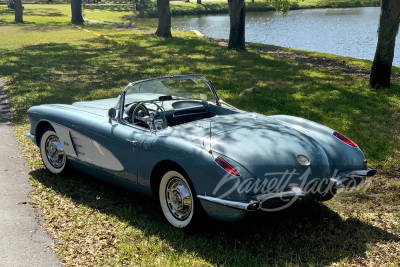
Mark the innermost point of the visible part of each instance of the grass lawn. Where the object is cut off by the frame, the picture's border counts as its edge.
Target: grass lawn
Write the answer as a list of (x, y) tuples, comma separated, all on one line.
[(46, 60)]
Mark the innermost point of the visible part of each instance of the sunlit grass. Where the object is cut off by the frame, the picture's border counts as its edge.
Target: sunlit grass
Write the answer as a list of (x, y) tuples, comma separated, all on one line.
[(97, 224), (107, 15), (39, 14)]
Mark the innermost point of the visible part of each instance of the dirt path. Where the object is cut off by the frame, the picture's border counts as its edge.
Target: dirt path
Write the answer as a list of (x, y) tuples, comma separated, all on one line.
[(23, 241)]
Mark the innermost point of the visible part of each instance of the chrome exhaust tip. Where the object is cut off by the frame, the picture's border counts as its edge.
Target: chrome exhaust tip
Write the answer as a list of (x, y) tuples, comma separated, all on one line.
[(253, 206), (362, 173)]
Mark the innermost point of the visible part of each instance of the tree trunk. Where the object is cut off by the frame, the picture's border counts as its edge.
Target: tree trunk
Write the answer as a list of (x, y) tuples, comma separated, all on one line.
[(199, 2), (134, 5), (237, 17), (18, 11), (388, 28), (140, 4), (164, 19), (76, 10)]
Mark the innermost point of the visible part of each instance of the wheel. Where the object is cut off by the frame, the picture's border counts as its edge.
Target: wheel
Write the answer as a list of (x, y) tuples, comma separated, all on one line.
[(177, 199), (51, 151), (328, 195)]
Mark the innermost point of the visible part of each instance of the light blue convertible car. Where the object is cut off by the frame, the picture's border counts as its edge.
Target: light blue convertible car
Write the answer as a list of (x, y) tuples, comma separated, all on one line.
[(174, 139)]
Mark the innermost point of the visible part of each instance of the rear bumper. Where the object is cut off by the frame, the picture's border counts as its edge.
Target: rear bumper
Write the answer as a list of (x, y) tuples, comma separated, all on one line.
[(353, 178), (344, 180), (254, 205)]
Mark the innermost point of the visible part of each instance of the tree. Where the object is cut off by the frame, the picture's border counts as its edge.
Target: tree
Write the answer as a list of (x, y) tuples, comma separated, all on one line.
[(18, 9), (76, 11), (164, 19), (134, 5), (199, 2), (237, 16), (388, 29)]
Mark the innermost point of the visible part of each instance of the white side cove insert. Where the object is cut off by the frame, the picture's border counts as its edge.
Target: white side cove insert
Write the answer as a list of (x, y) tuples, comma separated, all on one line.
[(77, 145)]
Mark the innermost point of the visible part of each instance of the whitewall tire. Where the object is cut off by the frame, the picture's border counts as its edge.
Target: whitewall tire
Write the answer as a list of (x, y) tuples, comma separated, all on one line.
[(177, 199), (51, 151)]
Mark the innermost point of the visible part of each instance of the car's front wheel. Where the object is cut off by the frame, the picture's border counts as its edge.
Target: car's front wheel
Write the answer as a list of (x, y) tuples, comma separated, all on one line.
[(177, 199), (53, 156)]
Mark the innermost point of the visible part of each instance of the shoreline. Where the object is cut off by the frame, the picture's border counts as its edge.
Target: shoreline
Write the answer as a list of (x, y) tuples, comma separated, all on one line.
[(221, 7), (180, 8)]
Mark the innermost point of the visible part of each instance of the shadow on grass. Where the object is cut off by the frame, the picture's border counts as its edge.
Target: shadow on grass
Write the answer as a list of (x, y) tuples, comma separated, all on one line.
[(29, 26), (307, 235), (88, 68), (96, 68), (43, 13)]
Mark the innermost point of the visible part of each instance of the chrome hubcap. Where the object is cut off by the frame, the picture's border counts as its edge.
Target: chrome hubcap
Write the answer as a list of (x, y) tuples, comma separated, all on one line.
[(179, 198), (54, 152)]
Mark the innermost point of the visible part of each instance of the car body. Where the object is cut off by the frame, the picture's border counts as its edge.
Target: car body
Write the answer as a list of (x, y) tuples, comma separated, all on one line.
[(174, 139)]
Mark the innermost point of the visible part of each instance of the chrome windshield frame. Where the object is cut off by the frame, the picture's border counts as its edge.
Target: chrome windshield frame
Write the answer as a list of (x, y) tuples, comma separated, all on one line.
[(176, 77)]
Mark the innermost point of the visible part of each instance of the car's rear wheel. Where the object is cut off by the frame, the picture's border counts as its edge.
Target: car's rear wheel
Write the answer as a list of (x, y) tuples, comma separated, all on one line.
[(177, 199), (331, 193), (53, 156)]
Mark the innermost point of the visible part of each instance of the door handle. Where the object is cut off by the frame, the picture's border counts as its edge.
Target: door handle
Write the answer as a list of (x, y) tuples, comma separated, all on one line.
[(133, 142)]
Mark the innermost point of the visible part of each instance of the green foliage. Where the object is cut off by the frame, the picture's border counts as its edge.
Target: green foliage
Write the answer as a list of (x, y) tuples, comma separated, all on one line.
[(96, 224), (280, 5), (300, 91)]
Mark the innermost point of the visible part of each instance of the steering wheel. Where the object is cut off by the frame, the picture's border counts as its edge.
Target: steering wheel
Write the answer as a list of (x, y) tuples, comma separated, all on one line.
[(141, 113)]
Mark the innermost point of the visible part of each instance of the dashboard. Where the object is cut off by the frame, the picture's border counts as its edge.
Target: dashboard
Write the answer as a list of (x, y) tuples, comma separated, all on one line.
[(156, 114)]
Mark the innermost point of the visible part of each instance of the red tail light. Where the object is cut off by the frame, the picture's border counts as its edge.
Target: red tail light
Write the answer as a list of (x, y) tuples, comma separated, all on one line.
[(344, 139), (226, 166)]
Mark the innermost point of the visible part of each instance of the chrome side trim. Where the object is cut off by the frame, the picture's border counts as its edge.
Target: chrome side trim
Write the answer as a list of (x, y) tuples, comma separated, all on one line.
[(31, 136), (229, 203), (78, 145)]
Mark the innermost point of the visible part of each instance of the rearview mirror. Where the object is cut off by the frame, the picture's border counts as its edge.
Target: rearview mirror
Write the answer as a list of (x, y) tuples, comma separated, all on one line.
[(111, 114)]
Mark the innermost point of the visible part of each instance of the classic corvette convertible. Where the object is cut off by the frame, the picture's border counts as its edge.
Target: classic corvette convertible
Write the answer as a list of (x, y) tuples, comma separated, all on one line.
[(173, 138)]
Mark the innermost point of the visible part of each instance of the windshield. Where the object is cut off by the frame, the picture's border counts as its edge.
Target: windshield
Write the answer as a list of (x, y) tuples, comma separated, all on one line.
[(185, 87)]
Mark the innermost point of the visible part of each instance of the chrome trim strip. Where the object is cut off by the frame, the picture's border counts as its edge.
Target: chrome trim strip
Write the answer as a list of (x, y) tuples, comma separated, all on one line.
[(31, 136), (252, 205), (176, 77), (229, 203)]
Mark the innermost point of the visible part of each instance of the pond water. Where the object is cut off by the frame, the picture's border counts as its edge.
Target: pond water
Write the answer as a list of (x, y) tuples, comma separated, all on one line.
[(348, 32)]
